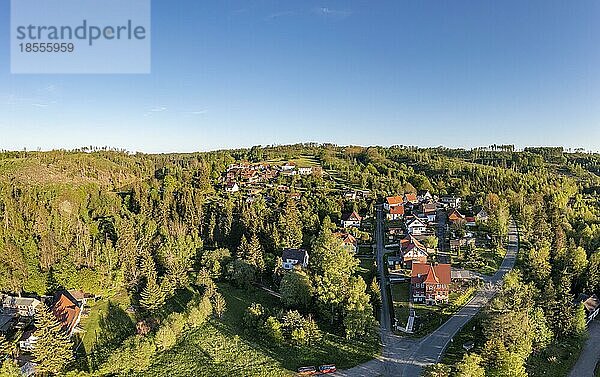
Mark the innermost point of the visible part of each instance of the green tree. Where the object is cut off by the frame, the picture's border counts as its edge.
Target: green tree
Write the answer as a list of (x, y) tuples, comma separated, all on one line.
[(290, 227), (470, 366), (296, 289), (53, 350), (9, 369), (241, 273), (219, 304)]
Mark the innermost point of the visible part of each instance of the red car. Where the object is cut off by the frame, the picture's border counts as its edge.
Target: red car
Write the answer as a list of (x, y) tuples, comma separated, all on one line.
[(327, 368)]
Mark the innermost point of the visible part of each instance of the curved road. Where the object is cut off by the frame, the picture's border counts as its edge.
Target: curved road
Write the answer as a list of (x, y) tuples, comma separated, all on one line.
[(590, 355), (402, 356)]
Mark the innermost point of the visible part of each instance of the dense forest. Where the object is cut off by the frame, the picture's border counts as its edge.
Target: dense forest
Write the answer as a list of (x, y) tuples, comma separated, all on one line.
[(156, 228)]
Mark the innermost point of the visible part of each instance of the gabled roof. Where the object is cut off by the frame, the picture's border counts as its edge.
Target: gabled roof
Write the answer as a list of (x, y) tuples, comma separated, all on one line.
[(295, 254), (352, 216), (455, 215), (429, 273), (410, 197), (410, 243), (397, 210), (415, 222), (67, 312), (14, 301), (346, 238), (394, 200)]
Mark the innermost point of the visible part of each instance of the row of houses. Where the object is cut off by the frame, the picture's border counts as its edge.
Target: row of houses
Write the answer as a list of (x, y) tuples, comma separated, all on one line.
[(245, 173), (17, 313)]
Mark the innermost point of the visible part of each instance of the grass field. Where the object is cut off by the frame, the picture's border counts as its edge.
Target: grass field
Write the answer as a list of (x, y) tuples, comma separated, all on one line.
[(223, 348), (428, 317), (91, 323), (486, 262)]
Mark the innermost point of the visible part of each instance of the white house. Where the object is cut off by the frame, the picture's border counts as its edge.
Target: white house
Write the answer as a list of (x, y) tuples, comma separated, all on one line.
[(451, 201), (27, 341), (305, 171), (288, 166), (293, 257), (416, 227), (23, 306), (392, 201), (424, 196), (351, 219), (395, 213), (232, 187)]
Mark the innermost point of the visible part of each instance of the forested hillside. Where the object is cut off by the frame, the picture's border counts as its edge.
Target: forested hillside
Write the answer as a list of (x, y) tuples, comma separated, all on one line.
[(161, 235)]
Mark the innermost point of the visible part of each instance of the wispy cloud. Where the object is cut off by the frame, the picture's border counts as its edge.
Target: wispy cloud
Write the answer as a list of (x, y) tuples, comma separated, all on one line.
[(281, 14), (155, 110), (198, 112), (332, 13)]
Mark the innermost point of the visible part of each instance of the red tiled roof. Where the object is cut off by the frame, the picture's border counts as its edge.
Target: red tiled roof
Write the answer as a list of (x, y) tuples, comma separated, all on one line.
[(393, 200), (352, 216), (397, 210), (428, 273), (455, 215), (346, 238), (411, 197), (66, 312)]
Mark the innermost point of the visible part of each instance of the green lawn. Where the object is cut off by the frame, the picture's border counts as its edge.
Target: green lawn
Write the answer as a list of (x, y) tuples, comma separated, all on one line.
[(484, 261), (332, 349), (91, 323), (400, 292), (428, 317)]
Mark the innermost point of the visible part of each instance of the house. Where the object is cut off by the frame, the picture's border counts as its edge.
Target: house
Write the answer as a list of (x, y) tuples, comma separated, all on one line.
[(591, 304), (351, 219), (350, 195), (348, 241), (416, 227), (27, 340), (428, 209), (424, 196), (305, 171), (412, 251), (430, 283), (294, 257), (450, 201), (392, 201), (455, 216), (231, 187), (67, 311), (396, 213), (394, 262), (481, 216), (288, 166), (23, 306), (410, 198), (470, 220)]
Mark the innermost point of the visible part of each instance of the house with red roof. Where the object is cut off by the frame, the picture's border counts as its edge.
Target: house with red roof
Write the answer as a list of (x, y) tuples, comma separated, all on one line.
[(349, 242), (396, 212), (430, 283), (412, 251), (410, 198), (67, 311), (351, 219), (392, 201), (455, 216)]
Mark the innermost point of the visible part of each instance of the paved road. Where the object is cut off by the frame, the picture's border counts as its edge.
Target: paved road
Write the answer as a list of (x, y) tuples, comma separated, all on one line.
[(405, 356), (590, 355), (386, 322)]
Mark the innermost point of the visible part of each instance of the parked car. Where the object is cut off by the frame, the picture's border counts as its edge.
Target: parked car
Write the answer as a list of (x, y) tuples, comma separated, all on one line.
[(307, 371), (327, 368)]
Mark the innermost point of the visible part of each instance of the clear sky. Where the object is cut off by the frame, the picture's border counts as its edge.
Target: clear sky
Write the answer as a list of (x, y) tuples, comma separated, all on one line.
[(250, 72)]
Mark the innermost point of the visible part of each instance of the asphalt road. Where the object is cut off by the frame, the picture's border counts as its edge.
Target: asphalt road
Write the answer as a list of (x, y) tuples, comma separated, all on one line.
[(402, 356), (590, 355)]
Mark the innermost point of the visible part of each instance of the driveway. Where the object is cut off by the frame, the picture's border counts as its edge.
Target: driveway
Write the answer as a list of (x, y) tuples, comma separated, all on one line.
[(402, 356), (590, 355)]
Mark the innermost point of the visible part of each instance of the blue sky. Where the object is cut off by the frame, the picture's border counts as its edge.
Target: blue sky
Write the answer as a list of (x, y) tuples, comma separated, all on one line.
[(243, 73)]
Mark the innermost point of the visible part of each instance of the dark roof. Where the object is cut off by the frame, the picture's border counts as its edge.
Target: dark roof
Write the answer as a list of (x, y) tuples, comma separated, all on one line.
[(351, 216), (297, 254)]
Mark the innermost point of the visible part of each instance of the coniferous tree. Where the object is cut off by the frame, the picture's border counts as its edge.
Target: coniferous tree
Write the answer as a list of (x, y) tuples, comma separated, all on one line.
[(53, 348)]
